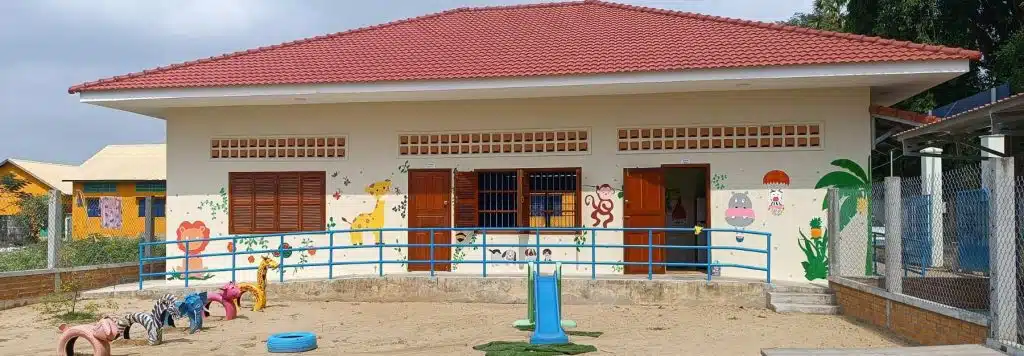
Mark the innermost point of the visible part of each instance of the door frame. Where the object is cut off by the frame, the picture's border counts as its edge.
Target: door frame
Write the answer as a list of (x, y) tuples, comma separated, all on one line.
[(707, 186), (707, 200), (442, 266)]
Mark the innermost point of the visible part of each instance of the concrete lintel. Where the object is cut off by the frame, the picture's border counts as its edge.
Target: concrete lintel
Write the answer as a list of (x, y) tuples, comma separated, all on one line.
[(956, 313)]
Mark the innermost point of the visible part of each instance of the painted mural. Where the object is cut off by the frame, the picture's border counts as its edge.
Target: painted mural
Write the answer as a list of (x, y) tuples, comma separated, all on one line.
[(463, 238), (853, 184), (740, 212), (216, 206), (815, 251), (718, 181), (187, 231), (602, 203), (373, 219), (776, 180)]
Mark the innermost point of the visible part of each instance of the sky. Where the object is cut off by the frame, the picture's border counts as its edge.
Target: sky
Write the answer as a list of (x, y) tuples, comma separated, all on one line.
[(50, 45)]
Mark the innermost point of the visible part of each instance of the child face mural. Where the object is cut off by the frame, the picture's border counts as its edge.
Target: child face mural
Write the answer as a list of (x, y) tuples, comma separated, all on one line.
[(776, 181)]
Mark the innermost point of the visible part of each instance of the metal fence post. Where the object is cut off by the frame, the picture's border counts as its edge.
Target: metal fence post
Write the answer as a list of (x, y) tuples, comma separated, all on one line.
[(1002, 248), (55, 218), (148, 235), (893, 234), (834, 237)]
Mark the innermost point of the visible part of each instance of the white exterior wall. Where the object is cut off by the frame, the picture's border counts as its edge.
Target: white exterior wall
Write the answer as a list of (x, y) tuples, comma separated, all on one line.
[(372, 130)]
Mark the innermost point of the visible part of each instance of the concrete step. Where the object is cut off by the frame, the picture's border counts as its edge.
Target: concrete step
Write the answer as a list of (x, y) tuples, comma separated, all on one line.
[(802, 298), (804, 308), (800, 289)]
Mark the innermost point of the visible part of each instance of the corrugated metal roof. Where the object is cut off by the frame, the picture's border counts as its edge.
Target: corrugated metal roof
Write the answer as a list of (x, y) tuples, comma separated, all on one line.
[(125, 163), (52, 174)]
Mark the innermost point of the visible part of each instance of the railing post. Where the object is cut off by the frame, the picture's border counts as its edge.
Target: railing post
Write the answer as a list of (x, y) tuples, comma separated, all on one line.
[(280, 267), (187, 247), (380, 256), (536, 256), (484, 253), (768, 273), (708, 259), (140, 266), (593, 254), (234, 248), (650, 254), (330, 255), (431, 252)]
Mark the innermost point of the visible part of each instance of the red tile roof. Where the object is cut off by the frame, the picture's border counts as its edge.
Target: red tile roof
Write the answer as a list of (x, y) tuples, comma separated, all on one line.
[(904, 115), (584, 37)]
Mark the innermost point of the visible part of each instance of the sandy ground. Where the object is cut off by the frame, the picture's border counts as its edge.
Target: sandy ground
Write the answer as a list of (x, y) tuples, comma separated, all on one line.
[(452, 329)]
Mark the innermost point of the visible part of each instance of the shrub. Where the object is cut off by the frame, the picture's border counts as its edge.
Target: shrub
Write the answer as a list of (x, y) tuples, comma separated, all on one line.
[(86, 252)]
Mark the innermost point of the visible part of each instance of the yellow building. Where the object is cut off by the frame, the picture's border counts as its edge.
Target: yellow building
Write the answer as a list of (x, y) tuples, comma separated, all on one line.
[(39, 178), (110, 189)]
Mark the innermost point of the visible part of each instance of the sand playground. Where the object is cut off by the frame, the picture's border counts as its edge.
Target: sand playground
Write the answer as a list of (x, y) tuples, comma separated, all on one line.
[(345, 328)]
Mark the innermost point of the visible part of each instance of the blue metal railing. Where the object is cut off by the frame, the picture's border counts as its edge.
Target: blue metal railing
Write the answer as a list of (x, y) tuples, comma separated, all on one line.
[(537, 245)]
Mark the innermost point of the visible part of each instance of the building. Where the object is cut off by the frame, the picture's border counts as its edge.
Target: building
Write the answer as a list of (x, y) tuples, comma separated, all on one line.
[(110, 189), (39, 179), (578, 114)]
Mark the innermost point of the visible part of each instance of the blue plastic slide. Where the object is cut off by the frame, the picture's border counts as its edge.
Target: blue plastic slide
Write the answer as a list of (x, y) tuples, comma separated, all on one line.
[(549, 317)]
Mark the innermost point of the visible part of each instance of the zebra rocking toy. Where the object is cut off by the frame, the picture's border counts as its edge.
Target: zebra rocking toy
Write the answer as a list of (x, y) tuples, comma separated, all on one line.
[(163, 312)]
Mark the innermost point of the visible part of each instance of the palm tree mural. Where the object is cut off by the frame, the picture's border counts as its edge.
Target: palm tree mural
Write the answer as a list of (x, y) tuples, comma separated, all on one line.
[(852, 182)]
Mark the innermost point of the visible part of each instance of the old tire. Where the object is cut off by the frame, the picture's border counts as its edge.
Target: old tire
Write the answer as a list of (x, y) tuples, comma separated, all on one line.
[(291, 342)]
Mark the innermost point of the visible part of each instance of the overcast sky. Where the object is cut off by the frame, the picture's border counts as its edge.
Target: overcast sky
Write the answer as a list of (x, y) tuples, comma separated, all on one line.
[(49, 45)]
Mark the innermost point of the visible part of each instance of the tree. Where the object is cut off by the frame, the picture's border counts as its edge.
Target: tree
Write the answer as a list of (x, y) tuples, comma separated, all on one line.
[(1008, 63)]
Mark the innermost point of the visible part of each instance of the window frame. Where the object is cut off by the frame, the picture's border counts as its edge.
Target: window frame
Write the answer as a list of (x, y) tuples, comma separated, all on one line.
[(277, 202), (141, 202), (88, 209), (99, 187), (524, 206)]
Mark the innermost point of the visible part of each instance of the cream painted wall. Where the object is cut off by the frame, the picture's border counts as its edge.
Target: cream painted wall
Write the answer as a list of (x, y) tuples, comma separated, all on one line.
[(194, 180)]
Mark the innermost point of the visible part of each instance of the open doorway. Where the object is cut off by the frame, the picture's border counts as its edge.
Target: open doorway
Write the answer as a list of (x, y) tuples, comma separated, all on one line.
[(687, 189)]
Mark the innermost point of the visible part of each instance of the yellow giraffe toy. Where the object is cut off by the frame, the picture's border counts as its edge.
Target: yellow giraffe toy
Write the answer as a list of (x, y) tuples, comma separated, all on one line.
[(259, 290), (374, 219)]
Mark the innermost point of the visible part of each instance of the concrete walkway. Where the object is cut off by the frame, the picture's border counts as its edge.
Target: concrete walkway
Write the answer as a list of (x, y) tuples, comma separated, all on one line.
[(952, 350)]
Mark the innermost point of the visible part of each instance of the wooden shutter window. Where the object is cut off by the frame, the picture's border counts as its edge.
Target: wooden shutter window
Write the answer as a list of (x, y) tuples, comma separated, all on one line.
[(313, 195), (466, 199), (288, 205), (273, 202), (240, 203), (265, 202)]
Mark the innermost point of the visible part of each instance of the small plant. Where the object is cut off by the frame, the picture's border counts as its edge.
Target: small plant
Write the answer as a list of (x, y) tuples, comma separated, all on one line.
[(617, 268), (401, 256), (815, 250), (460, 253)]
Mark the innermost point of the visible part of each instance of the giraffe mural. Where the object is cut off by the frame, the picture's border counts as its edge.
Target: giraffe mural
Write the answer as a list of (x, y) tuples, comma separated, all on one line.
[(373, 219)]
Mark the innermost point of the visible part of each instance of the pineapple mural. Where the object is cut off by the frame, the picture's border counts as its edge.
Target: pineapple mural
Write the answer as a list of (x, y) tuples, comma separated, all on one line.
[(815, 250)]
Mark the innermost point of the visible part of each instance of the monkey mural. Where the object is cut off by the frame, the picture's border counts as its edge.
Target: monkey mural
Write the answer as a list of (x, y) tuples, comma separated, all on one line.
[(602, 204)]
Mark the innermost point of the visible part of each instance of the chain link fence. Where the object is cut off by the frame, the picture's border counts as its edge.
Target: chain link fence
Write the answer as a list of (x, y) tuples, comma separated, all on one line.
[(90, 230), (952, 238)]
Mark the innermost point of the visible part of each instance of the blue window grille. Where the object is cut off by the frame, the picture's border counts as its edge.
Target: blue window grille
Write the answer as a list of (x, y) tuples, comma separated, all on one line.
[(151, 187), (498, 199), (159, 206), (100, 187), (92, 207)]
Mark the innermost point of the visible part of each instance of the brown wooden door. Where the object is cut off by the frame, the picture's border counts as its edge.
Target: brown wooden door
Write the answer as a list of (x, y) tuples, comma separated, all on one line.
[(430, 206), (644, 191)]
